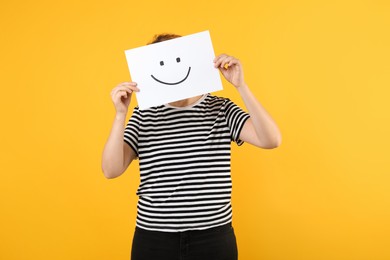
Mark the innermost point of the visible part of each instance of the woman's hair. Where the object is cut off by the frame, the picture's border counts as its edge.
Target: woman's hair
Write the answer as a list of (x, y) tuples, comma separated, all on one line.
[(163, 37)]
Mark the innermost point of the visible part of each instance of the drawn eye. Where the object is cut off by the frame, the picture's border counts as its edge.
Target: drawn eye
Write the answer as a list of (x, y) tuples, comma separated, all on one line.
[(178, 59), (161, 63)]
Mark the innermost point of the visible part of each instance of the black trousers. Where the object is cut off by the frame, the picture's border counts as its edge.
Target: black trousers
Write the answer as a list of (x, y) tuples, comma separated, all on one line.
[(217, 243)]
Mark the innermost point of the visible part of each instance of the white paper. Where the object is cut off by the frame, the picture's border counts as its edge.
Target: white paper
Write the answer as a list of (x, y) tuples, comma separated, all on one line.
[(174, 69)]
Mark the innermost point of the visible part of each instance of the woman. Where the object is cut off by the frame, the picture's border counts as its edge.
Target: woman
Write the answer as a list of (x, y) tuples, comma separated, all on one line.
[(184, 207)]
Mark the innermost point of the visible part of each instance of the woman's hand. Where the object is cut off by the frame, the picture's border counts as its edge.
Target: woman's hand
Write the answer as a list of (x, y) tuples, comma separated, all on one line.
[(121, 96), (231, 69)]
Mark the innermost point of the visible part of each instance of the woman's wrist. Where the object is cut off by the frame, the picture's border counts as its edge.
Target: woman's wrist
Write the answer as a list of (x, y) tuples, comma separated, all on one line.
[(242, 87), (120, 116)]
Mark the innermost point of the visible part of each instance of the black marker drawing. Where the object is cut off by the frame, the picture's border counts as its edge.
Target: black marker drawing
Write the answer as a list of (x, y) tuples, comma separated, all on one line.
[(174, 83)]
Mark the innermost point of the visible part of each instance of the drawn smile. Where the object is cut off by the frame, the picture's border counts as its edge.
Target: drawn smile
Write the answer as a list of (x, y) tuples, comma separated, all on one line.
[(172, 83)]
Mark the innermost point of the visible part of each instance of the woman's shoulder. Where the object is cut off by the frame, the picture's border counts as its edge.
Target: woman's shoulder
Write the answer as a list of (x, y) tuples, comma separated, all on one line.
[(215, 100)]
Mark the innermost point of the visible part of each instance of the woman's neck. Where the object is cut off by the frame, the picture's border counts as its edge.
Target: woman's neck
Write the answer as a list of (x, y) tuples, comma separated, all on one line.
[(185, 102)]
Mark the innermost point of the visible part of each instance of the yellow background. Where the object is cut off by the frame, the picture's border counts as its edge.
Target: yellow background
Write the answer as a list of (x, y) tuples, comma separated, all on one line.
[(320, 68)]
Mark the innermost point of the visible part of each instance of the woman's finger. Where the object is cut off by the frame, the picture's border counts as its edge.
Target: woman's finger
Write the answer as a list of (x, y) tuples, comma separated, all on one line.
[(132, 88), (219, 59), (226, 61), (115, 90), (122, 94), (126, 84), (115, 93), (233, 61), (118, 95)]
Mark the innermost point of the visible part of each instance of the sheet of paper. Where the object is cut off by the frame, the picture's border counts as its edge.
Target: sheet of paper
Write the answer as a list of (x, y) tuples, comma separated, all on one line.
[(174, 69)]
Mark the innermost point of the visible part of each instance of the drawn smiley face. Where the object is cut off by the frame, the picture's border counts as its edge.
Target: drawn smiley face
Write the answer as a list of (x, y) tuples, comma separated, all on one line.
[(172, 83)]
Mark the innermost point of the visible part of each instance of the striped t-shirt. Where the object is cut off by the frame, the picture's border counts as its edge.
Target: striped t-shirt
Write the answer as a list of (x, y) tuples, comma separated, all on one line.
[(184, 162)]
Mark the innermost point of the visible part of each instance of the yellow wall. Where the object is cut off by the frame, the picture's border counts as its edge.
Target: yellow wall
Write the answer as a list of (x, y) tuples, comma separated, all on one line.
[(321, 68)]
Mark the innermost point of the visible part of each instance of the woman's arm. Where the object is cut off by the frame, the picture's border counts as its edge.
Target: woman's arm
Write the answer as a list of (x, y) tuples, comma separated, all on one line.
[(117, 155), (260, 129)]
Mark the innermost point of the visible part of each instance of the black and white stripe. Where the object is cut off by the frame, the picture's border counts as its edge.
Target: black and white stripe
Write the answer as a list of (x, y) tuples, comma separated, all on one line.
[(184, 161)]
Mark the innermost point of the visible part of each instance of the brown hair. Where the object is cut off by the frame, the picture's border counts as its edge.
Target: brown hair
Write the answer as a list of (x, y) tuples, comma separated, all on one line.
[(163, 37)]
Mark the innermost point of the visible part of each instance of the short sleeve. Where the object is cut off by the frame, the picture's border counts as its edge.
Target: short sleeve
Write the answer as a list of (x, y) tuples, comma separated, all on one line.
[(132, 129), (235, 118)]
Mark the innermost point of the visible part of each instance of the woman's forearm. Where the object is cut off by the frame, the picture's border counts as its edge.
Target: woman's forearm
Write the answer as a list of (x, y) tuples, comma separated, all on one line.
[(266, 129), (113, 159)]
